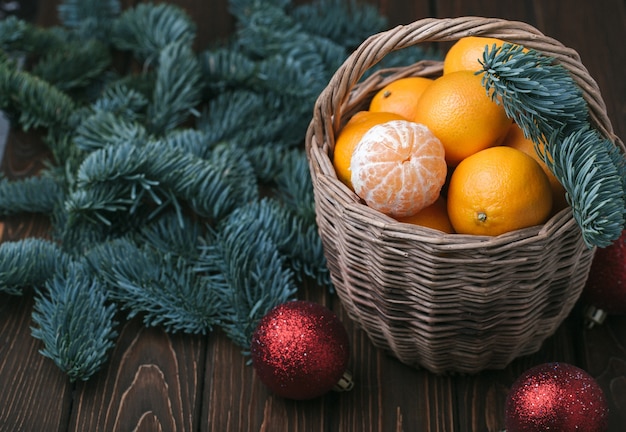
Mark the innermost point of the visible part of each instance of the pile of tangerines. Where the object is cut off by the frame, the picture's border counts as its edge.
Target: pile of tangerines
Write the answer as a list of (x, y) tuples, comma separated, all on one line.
[(442, 153)]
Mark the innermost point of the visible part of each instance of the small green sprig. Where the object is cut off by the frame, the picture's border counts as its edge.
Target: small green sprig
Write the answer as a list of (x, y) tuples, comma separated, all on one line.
[(75, 321), (540, 95)]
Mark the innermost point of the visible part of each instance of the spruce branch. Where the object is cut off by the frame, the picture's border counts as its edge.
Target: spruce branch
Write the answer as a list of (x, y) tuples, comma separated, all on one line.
[(545, 101), (123, 101), (537, 93), (256, 275), (584, 163), (122, 178), (33, 102), (75, 65), (147, 29), (90, 18), (75, 321), (347, 23), (163, 288), (41, 194), (28, 263), (104, 128), (177, 89)]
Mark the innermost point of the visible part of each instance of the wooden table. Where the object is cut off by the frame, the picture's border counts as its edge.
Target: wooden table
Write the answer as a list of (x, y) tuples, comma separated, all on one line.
[(156, 381)]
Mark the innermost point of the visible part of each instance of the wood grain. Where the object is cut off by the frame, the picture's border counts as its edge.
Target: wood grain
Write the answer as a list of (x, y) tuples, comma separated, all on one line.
[(153, 379)]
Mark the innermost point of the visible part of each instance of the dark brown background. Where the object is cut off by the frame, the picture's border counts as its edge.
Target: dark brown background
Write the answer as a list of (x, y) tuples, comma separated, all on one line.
[(160, 382)]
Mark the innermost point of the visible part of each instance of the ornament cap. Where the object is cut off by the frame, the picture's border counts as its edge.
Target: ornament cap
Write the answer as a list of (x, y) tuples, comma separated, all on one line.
[(345, 383), (594, 316)]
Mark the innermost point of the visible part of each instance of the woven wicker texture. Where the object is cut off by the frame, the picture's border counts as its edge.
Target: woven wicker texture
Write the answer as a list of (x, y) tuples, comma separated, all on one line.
[(445, 302)]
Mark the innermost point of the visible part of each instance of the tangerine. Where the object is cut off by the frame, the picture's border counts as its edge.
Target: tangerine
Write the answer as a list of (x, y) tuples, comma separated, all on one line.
[(497, 190), (457, 109), (434, 216), (400, 96), (466, 53), (350, 135), (516, 139), (398, 168)]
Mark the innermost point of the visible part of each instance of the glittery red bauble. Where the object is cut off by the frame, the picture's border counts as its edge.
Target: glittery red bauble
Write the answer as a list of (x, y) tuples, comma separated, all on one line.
[(556, 397), (606, 286), (300, 350)]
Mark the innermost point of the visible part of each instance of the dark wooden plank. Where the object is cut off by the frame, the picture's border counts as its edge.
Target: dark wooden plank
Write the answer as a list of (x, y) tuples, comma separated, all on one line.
[(605, 358), (596, 30), (153, 381)]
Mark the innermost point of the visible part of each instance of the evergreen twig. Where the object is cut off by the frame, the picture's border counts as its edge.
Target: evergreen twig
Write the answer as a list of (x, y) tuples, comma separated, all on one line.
[(75, 322)]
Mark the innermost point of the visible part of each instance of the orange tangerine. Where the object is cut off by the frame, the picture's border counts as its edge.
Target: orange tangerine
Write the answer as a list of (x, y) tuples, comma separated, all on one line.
[(516, 139), (457, 109), (497, 190), (466, 53), (400, 96), (434, 216), (398, 168), (350, 135)]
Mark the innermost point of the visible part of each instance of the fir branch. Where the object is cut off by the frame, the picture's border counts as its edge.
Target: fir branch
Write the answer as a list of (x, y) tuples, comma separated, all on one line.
[(168, 234), (34, 102), (537, 93), (164, 288), (177, 89), (74, 66), (293, 184), (28, 263), (147, 29), (122, 101), (19, 37), (190, 141), (104, 128), (347, 23), (585, 164), (222, 120), (121, 178), (225, 68), (74, 321), (295, 238), (257, 277), (40, 194), (544, 100), (91, 18)]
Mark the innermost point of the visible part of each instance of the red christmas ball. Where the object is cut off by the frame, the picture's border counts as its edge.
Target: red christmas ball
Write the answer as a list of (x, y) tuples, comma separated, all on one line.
[(606, 285), (300, 350), (556, 397)]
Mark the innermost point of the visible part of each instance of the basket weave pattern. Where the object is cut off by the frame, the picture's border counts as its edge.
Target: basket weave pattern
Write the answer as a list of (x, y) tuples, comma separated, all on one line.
[(444, 302)]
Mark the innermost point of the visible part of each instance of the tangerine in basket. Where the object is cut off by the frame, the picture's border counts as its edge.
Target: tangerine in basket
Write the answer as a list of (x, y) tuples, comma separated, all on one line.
[(400, 96), (497, 190), (434, 216), (398, 168), (466, 53), (350, 135), (516, 139), (457, 109)]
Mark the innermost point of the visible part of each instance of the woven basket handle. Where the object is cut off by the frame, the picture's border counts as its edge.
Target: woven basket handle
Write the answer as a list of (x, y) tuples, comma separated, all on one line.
[(373, 49)]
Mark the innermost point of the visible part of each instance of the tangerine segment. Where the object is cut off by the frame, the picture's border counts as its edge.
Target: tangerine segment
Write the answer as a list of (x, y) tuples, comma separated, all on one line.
[(457, 109), (400, 96), (498, 190), (349, 137), (398, 168)]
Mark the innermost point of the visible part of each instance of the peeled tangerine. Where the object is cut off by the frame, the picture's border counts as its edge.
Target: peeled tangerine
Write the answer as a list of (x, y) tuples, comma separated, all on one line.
[(398, 168)]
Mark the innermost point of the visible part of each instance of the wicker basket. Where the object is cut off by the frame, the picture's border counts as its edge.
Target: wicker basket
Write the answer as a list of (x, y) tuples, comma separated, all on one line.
[(444, 302)]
